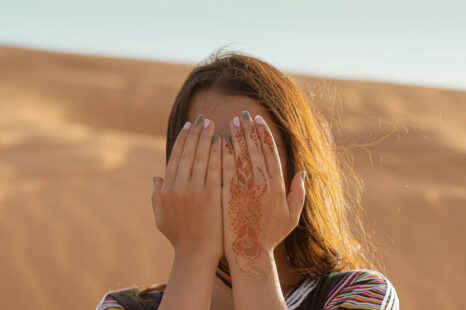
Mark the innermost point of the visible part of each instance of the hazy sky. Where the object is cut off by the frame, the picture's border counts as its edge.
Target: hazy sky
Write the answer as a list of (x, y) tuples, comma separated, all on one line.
[(411, 41)]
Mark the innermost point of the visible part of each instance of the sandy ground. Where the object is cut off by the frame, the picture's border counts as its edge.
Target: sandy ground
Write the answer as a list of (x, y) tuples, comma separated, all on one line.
[(81, 138)]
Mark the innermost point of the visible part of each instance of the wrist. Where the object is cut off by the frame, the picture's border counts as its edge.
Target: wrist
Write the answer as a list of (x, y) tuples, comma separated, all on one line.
[(230, 256), (237, 261), (197, 258)]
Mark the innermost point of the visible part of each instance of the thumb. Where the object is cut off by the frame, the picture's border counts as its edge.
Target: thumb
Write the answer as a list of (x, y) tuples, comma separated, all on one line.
[(295, 198), (158, 182)]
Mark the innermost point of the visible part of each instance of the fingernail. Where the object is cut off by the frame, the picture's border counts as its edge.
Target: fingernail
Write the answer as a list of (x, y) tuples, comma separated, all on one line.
[(236, 121), (303, 175), (206, 123), (259, 120), (199, 119), (215, 137), (246, 115), (154, 179), (187, 125), (227, 139)]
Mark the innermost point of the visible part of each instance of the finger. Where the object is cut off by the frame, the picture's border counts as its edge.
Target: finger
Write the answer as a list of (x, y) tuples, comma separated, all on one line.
[(214, 170), (202, 154), (254, 148), (229, 174), (242, 160), (269, 148), (228, 161), (295, 198), (176, 153), (189, 150), (231, 188)]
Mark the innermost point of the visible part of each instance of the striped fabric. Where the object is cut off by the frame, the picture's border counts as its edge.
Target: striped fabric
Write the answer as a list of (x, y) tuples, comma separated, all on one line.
[(108, 303), (295, 297), (363, 289), (358, 289)]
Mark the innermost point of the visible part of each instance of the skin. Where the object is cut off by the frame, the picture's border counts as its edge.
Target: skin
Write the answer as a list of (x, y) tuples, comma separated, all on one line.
[(230, 199), (222, 109)]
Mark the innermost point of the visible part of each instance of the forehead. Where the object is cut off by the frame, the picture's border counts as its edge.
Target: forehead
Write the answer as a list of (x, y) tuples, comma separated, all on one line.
[(222, 108)]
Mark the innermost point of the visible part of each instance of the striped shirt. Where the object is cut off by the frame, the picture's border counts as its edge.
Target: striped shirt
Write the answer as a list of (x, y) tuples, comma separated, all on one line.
[(353, 289)]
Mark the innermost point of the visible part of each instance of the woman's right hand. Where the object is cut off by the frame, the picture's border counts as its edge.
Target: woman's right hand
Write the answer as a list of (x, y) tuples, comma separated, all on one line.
[(187, 202)]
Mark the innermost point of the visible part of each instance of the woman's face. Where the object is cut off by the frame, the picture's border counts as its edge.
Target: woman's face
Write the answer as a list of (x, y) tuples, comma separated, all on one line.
[(221, 109)]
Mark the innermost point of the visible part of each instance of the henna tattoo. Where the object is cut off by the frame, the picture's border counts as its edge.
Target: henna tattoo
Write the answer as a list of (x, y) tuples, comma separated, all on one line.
[(243, 148), (268, 139), (254, 137), (229, 147), (245, 213)]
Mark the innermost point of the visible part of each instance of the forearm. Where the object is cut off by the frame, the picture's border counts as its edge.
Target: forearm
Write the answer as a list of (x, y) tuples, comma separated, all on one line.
[(190, 283), (254, 292)]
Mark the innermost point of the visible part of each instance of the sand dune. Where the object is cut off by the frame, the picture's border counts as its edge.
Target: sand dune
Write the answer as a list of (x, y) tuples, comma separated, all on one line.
[(81, 137)]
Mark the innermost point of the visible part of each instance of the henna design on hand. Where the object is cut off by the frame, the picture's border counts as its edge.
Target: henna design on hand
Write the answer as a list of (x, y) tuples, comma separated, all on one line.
[(268, 140), (254, 136), (245, 212), (229, 147)]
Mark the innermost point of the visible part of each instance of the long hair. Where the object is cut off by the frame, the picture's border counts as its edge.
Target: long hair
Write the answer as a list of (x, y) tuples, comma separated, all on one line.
[(330, 235)]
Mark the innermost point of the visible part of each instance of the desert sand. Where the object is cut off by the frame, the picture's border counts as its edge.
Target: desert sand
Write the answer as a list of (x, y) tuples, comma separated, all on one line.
[(82, 136)]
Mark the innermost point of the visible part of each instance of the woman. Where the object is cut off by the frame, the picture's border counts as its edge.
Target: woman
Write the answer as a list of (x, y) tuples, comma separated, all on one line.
[(250, 230)]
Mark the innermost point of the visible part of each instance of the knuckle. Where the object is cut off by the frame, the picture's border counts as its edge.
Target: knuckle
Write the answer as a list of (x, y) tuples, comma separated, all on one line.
[(164, 192), (184, 165), (201, 159), (174, 157), (187, 155)]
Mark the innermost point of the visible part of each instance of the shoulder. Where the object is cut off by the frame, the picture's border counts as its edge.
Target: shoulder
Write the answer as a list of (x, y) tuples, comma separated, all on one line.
[(129, 299), (107, 302), (365, 288)]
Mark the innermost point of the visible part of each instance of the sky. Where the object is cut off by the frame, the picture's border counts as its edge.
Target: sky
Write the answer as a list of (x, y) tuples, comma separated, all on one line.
[(408, 42)]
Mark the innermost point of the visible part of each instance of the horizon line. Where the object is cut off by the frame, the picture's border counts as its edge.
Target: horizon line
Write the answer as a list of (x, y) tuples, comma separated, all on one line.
[(167, 60)]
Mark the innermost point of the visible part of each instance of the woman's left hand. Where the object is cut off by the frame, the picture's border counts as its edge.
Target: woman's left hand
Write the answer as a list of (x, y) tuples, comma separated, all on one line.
[(257, 212)]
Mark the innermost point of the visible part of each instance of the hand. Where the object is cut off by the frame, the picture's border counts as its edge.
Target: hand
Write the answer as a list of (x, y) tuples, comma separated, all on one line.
[(257, 213), (187, 203)]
